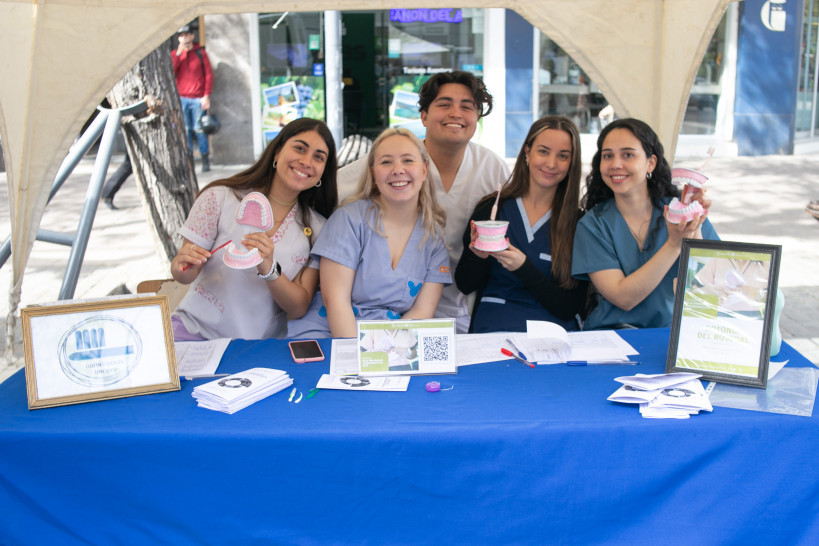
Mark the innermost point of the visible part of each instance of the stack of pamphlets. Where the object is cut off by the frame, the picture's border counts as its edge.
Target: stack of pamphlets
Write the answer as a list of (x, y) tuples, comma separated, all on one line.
[(664, 396), (237, 391)]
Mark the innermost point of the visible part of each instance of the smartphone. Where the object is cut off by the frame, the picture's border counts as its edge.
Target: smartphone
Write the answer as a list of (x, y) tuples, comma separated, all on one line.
[(306, 351)]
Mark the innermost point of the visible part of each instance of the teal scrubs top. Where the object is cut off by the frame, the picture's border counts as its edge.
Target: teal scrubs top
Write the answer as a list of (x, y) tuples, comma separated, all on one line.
[(603, 241)]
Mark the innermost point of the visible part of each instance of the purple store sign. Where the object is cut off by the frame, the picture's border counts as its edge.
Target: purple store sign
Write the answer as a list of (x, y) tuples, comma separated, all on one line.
[(445, 15)]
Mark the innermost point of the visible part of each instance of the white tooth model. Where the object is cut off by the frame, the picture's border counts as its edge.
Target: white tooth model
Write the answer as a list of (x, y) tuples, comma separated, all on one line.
[(256, 214)]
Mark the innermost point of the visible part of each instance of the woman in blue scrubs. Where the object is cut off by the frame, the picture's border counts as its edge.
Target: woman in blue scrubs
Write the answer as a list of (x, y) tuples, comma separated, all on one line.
[(624, 244), (383, 254), (531, 279)]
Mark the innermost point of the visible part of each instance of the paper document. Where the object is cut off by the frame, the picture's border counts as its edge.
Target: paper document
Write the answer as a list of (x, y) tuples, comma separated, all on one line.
[(480, 348), (551, 344), (597, 345), (237, 391), (358, 383), (544, 342), (664, 396), (344, 357), (199, 357)]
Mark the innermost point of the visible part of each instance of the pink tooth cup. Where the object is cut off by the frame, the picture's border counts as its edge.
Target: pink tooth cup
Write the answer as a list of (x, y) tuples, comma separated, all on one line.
[(491, 235)]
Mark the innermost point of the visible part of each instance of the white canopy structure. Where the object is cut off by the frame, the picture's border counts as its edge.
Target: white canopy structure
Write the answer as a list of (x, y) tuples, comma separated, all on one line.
[(59, 58)]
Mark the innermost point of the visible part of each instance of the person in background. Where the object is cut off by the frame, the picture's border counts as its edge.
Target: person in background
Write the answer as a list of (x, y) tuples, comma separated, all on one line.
[(532, 278), (382, 253), (297, 173), (461, 171), (194, 80), (624, 244), (115, 182)]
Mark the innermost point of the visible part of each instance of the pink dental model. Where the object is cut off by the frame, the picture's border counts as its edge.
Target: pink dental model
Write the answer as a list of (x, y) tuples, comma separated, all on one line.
[(683, 209), (690, 181), (256, 213), (679, 212)]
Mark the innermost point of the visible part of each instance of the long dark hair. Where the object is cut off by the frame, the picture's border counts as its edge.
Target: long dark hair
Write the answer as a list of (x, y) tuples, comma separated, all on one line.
[(259, 176), (565, 206), (659, 185)]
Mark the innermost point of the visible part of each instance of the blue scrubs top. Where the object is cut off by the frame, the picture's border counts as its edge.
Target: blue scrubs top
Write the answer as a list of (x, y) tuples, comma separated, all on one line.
[(506, 303), (604, 241), (379, 291)]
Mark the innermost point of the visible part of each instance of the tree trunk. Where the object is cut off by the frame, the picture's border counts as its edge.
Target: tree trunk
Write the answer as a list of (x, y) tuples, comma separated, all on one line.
[(158, 146)]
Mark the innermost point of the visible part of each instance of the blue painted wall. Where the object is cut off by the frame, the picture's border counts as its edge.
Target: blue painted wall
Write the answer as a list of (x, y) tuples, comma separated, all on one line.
[(519, 36), (767, 76)]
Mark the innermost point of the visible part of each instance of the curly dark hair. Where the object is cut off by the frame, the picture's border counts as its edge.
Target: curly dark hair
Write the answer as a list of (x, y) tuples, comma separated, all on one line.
[(259, 176), (430, 89), (659, 185)]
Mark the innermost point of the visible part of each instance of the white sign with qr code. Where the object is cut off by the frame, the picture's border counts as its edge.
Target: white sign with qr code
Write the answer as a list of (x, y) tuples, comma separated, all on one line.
[(406, 347)]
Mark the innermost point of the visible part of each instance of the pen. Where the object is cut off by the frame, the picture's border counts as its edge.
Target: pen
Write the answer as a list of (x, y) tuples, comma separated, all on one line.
[(206, 376), (601, 362), (507, 352), (515, 347)]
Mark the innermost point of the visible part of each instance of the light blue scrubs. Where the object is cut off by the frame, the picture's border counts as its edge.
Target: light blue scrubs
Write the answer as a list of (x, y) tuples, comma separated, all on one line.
[(603, 241), (379, 291)]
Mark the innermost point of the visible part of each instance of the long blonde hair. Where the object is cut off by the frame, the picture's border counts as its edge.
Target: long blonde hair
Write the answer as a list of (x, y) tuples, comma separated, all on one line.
[(432, 215)]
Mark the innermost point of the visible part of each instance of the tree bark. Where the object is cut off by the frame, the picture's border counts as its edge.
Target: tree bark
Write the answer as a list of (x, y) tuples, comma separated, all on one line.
[(158, 146)]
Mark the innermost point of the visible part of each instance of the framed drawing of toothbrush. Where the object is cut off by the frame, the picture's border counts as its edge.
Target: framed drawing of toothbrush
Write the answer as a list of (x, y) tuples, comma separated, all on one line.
[(724, 311), (86, 351)]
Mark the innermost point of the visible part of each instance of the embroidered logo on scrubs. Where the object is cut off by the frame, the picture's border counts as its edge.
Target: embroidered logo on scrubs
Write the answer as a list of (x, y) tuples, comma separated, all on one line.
[(392, 315), (414, 288), (323, 311), (444, 269)]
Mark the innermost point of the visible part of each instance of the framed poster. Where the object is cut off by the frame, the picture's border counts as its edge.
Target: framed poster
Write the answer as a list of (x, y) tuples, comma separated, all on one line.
[(97, 350), (724, 311)]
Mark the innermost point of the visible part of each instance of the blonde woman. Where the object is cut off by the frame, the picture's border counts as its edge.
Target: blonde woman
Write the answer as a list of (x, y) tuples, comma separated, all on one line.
[(382, 252)]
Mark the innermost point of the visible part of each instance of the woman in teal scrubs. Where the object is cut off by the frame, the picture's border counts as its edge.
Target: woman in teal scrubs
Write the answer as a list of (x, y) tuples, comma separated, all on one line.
[(623, 243)]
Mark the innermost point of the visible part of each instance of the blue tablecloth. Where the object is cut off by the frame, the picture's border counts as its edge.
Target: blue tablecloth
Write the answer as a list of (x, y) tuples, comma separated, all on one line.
[(510, 455)]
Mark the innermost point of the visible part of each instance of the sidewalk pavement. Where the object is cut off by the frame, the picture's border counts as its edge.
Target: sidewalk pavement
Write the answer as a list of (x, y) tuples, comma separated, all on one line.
[(755, 199)]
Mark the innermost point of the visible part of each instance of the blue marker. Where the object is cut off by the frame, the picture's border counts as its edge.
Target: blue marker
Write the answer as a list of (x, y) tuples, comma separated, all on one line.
[(520, 353)]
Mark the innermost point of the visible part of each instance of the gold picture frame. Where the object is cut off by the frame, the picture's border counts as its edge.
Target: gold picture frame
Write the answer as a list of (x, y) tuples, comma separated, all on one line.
[(88, 351)]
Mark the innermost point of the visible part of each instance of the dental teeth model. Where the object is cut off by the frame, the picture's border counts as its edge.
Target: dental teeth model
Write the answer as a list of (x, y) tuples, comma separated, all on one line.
[(255, 213), (689, 180), (679, 211)]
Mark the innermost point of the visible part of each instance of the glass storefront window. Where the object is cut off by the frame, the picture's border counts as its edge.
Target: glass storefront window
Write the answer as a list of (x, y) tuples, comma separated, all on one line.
[(565, 90), (291, 59), (408, 46), (701, 113), (806, 114)]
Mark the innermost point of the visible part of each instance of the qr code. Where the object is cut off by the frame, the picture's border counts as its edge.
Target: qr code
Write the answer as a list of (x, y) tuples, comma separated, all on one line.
[(436, 348)]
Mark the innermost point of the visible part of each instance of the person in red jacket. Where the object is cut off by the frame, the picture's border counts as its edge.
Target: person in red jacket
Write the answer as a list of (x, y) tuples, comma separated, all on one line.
[(194, 80)]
